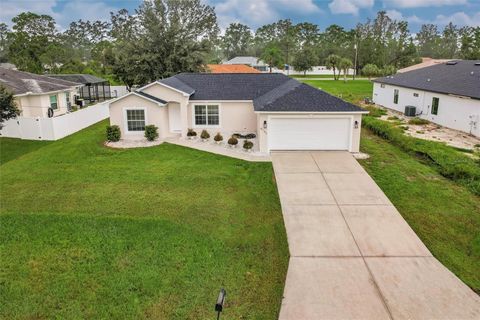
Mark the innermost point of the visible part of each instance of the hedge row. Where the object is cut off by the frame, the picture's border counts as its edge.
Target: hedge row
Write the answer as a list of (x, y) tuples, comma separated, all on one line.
[(448, 161)]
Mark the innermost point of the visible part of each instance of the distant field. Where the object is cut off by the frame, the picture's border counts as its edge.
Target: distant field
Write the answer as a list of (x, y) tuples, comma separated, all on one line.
[(352, 91)]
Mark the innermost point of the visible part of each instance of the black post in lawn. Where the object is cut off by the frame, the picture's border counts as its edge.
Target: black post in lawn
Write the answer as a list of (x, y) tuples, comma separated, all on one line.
[(220, 301)]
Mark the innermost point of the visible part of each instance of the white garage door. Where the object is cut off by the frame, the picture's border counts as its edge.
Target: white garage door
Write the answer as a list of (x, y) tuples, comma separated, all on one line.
[(309, 133)]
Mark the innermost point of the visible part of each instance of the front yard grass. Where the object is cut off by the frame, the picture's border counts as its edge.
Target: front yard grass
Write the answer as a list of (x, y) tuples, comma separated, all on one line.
[(444, 214), (92, 232), (352, 91)]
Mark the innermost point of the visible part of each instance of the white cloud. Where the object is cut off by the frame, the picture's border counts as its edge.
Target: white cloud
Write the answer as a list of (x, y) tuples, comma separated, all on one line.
[(422, 3), (460, 19), (349, 6), (71, 11), (259, 12), (397, 15)]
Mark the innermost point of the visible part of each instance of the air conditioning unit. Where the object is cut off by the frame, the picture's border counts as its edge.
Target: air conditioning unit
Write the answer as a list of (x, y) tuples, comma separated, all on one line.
[(410, 111)]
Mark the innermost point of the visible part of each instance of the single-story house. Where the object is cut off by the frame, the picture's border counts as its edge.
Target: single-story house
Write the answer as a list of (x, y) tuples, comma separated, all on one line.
[(92, 88), (314, 71), (284, 114), (36, 94), (231, 68), (253, 62), (447, 94)]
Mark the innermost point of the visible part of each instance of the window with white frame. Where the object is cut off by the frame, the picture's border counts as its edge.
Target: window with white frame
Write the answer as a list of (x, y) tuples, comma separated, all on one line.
[(136, 120), (53, 102), (207, 115)]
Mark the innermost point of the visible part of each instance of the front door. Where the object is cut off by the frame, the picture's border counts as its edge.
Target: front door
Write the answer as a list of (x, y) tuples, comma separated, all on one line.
[(175, 120)]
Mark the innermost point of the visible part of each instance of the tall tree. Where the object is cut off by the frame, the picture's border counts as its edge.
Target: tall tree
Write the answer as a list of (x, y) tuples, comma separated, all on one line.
[(169, 37), (344, 65), (272, 55), (304, 60), (33, 34), (237, 40), (332, 62), (5, 38), (428, 40), (470, 43), (449, 47)]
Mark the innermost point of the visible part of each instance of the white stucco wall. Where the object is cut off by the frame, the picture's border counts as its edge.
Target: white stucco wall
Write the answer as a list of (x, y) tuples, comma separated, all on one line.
[(154, 114), (37, 105), (453, 112), (234, 117)]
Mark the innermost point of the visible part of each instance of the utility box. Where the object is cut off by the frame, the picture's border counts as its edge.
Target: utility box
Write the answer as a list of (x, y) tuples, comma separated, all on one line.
[(410, 111)]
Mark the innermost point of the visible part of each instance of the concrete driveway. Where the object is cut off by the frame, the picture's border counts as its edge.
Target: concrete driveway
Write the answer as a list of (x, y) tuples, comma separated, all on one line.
[(353, 256)]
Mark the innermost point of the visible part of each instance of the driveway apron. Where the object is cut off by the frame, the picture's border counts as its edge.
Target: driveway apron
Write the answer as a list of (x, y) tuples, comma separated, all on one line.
[(352, 255)]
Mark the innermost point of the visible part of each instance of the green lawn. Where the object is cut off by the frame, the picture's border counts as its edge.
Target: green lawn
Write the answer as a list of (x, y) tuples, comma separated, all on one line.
[(445, 215), (92, 232), (352, 91)]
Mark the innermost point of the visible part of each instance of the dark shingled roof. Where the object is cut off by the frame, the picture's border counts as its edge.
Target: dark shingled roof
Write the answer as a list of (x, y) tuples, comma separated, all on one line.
[(78, 78), (20, 82), (269, 92), (460, 77), (149, 96)]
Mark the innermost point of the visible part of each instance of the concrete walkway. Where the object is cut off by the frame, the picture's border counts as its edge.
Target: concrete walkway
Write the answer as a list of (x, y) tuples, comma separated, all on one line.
[(353, 256)]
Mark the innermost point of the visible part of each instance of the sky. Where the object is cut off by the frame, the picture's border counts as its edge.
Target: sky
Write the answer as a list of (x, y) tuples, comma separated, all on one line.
[(255, 13)]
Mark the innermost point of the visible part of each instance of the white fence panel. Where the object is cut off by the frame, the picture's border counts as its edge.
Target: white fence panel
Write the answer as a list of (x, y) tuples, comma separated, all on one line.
[(54, 128), (72, 122)]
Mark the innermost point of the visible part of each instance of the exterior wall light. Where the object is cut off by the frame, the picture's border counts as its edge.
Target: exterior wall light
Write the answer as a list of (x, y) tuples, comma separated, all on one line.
[(356, 124), (265, 124)]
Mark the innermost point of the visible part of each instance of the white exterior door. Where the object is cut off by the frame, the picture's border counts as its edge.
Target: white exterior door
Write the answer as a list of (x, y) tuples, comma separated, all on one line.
[(333, 133), (174, 118)]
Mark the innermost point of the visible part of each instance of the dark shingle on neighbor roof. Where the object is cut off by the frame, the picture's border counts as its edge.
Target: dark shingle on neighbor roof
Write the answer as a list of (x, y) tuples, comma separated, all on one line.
[(460, 78), (20, 82), (269, 91), (149, 96), (176, 83), (78, 78)]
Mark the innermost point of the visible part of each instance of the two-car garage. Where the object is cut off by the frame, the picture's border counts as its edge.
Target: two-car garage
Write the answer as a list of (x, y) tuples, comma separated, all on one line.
[(312, 133)]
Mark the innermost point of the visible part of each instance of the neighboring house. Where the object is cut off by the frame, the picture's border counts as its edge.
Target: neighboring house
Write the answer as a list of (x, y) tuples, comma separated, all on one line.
[(315, 71), (35, 94), (231, 68), (447, 94), (284, 113), (426, 62), (253, 62), (92, 88)]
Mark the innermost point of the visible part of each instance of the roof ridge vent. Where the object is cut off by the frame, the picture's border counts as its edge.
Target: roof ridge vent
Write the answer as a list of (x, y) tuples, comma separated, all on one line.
[(477, 63), (451, 63)]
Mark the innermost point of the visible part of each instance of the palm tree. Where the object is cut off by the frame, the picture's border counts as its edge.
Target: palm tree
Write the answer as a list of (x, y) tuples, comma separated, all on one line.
[(332, 62), (344, 65)]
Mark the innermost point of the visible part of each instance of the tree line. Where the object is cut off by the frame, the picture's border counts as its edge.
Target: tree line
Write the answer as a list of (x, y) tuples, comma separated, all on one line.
[(164, 37)]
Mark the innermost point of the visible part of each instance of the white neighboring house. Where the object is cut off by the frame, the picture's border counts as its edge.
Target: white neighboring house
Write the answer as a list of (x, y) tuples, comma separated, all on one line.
[(447, 94), (315, 71), (44, 105), (253, 62), (35, 94)]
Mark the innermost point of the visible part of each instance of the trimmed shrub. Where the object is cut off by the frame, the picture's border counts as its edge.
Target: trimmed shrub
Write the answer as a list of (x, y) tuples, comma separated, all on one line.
[(151, 132), (205, 135), (233, 141), (375, 112), (393, 118), (418, 121), (191, 133), (449, 162), (113, 133), (247, 144), (218, 137)]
